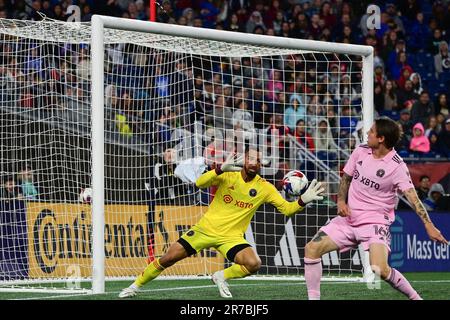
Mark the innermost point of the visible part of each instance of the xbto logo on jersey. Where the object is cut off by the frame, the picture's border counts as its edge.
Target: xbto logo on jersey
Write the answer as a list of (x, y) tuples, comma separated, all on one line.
[(244, 205), (370, 183)]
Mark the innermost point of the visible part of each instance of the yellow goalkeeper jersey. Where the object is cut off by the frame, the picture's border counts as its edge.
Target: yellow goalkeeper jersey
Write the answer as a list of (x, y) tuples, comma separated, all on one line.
[(236, 201)]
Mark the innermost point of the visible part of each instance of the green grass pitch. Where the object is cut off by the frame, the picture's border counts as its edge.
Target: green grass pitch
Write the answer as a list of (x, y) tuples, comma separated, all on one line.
[(432, 286)]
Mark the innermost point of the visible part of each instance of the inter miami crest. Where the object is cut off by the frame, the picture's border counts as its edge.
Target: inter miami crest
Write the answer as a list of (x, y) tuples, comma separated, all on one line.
[(190, 233), (252, 192), (380, 173)]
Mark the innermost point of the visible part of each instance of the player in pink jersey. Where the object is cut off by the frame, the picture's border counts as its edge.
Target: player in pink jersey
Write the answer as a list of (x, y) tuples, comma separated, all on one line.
[(367, 195)]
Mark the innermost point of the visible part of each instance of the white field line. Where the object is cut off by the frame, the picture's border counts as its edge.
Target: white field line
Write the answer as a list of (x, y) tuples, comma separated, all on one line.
[(213, 286)]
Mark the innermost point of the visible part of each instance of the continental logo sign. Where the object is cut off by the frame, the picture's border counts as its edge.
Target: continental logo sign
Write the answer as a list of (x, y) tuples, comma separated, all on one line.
[(60, 237)]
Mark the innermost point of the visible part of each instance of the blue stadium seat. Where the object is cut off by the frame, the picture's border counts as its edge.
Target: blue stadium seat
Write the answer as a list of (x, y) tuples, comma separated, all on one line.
[(394, 115), (403, 153), (444, 77)]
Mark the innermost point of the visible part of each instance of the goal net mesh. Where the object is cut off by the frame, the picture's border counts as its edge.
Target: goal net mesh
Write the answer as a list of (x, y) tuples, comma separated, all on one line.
[(167, 100)]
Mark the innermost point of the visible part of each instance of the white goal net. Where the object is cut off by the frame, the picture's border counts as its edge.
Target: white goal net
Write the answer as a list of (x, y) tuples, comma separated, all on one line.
[(167, 99)]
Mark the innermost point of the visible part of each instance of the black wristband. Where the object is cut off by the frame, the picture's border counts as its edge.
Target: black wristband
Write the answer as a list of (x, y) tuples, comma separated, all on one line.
[(301, 203), (218, 170)]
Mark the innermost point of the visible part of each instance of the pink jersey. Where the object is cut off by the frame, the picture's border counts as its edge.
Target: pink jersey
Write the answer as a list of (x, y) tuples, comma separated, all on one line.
[(373, 191)]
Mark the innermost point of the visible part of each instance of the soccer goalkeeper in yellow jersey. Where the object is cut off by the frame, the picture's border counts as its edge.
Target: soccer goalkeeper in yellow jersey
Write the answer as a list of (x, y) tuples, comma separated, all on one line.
[(240, 192)]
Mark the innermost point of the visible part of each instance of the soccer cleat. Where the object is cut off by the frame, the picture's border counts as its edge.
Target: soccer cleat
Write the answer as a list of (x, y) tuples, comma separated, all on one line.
[(129, 292), (221, 283)]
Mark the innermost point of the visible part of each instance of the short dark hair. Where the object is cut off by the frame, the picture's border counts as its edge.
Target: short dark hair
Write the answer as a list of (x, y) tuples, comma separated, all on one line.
[(388, 129), (424, 177)]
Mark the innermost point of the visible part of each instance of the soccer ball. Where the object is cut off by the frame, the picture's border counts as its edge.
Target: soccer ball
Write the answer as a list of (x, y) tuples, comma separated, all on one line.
[(294, 182), (85, 195)]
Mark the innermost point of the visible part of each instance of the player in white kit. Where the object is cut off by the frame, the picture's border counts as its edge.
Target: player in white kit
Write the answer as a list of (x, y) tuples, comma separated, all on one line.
[(367, 196)]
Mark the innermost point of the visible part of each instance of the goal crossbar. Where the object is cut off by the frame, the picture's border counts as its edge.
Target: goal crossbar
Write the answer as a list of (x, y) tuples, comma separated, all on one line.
[(100, 23)]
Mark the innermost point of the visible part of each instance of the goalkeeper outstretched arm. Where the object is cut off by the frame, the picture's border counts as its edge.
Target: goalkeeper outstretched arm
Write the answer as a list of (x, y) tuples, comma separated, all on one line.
[(212, 177), (287, 208)]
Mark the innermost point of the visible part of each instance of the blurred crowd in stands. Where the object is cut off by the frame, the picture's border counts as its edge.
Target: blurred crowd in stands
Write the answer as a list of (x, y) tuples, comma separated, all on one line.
[(411, 69), (158, 95)]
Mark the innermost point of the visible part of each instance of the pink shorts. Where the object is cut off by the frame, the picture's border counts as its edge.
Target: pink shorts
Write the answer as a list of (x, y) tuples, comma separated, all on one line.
[(347, 237)]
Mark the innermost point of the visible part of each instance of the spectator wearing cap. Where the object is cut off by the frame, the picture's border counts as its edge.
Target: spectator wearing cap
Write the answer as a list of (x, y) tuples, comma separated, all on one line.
[(406, 123), (392, 13), (422, 109), (444, 139)]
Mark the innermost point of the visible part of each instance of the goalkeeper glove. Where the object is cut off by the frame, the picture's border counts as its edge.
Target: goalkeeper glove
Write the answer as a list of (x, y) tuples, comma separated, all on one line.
[(312, 193), (232, 163)]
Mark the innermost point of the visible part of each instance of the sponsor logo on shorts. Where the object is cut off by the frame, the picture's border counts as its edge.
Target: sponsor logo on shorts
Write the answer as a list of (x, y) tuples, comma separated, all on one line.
[(227, 198)]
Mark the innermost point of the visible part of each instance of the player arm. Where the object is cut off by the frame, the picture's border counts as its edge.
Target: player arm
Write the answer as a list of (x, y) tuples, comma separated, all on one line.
[(419, 208), (417, 205), (285, 207), (344, 186), (313, 192), (210, 178)]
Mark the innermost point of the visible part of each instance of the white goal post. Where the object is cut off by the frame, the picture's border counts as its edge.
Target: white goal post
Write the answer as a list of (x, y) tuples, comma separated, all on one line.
[(115, 106), (99, 23)]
